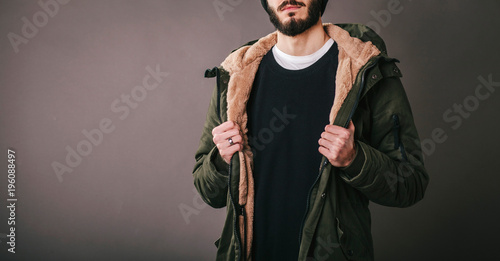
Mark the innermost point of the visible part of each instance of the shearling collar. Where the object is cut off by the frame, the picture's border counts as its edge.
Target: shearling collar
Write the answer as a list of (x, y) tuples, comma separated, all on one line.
[(244, 62)]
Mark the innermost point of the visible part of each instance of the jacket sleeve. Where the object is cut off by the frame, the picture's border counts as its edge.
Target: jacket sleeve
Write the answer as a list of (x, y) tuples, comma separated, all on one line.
[(211, 171), (390, 169)]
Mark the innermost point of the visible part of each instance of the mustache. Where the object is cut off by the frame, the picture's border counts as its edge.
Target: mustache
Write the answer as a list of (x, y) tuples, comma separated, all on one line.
[(290, 2)]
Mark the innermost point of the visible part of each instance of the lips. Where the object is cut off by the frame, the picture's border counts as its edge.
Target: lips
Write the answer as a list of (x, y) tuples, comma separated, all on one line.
[(290, 7)]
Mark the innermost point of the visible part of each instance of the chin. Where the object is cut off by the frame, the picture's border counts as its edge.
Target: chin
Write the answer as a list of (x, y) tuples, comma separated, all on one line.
[(292, 16)]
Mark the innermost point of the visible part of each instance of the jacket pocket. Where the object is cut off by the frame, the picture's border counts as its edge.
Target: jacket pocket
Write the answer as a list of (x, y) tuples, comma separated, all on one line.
[(350, 242), (398, 144)]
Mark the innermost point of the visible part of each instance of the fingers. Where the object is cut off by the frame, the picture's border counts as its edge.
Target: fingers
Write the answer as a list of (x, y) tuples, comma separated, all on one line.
[(224, 143), (334, 145), (332, 156), (228, 152), (337, 144), (225, 131), (338, 131), (334, 139), (334, 136), (222, 134), (224, 127), (223, 137)]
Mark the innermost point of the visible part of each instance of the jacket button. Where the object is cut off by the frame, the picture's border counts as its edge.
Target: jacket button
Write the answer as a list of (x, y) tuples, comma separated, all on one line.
[(396, 70), (350, 252), (374, 76), (323, 195)]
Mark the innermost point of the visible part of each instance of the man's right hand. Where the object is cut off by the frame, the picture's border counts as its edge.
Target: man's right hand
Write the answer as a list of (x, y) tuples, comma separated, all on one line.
[(222, 135)]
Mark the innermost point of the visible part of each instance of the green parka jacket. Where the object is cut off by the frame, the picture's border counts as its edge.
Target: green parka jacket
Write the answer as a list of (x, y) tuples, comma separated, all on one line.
[(388, 168)]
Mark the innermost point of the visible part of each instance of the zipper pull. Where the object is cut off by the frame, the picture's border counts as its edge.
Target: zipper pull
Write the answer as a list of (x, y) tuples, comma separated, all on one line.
[(322, 165)]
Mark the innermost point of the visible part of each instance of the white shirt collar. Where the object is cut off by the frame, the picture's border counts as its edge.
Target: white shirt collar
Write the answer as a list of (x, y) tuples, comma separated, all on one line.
[(292, 62)]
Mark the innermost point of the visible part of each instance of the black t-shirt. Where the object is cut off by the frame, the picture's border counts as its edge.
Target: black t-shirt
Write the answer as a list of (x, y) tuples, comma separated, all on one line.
[(287, 112)]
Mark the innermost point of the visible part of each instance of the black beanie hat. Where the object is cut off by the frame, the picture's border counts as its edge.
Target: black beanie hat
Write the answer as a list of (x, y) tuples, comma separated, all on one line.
[(323, 5)]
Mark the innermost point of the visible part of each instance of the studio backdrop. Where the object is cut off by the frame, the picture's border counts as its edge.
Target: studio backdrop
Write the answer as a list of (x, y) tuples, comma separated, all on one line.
[(102, 104)]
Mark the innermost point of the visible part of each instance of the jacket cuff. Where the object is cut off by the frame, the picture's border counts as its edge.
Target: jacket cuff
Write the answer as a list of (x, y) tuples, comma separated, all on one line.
[(354, 169), (220, 165)]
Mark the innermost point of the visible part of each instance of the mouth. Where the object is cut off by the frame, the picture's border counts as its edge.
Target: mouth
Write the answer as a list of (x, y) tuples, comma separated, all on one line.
[(288, 8)]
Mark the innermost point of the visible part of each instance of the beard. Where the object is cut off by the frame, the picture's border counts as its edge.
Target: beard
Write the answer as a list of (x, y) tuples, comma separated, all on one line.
[(295, 26)]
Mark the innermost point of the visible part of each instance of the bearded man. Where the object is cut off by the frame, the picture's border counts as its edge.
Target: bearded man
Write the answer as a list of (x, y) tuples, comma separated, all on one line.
[(306, 126)]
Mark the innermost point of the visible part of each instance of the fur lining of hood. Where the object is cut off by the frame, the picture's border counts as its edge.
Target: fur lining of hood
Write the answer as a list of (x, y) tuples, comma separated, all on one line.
[(242, 66)]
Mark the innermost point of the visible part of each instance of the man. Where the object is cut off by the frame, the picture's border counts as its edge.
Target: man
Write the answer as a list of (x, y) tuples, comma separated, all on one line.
[(306, 96)]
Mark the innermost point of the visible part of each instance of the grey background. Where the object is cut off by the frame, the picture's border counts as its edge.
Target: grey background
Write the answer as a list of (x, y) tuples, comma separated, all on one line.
[(123, 201)]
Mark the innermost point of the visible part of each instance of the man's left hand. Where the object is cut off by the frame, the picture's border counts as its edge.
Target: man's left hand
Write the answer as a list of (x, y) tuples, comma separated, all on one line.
[(337, 145)]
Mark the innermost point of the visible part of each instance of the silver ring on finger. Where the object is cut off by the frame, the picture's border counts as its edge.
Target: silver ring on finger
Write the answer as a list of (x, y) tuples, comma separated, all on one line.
[(230, 140)]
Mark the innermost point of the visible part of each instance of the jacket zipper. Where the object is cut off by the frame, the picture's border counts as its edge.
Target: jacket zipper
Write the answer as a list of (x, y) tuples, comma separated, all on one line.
[(325, 161), (217, 73), (236, 219), (209, 73)]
